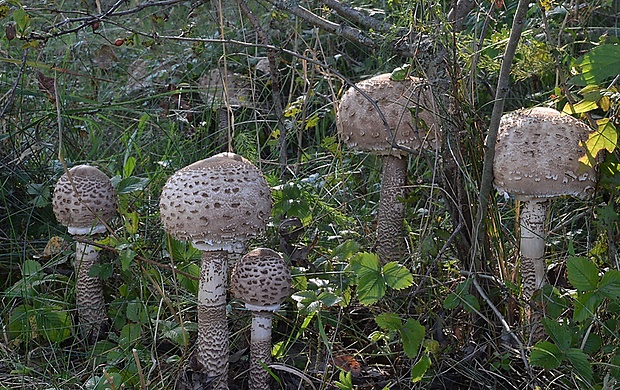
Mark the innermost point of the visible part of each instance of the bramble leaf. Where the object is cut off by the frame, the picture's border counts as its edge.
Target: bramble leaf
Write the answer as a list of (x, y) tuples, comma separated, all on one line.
[(582, 273)]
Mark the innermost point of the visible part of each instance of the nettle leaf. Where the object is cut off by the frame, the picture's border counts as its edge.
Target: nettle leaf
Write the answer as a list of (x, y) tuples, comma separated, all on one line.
[(546, 355), (610, 284), (605, 137), (412, 334), (580, 362), (420, 368), (397, 276), (582, 273), (598, 65), (389, 321)]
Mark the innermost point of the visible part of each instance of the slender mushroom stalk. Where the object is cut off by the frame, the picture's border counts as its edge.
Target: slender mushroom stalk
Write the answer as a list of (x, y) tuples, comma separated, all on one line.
[(262, 280), (362, 129), (537, 158), (84, 213), (218, 204)]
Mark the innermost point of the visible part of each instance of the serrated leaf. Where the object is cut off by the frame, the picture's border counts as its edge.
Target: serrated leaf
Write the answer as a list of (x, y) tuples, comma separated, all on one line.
[(605, 137), (370, 289), (610, 284), (582, 273), (345, 250), (558, 333), (580, 362), (598, 65), (586, 304), (329, 299), (451, 302), (420, 368), (397, 276), (546, 355), (412, 334), (365, 263), (53, 323), (389, 321)]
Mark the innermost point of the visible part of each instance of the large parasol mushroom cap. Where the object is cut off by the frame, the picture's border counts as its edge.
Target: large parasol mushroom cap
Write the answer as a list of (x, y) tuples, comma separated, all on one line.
[(362, 128), (217, 203), (94, 202), (537, 155)]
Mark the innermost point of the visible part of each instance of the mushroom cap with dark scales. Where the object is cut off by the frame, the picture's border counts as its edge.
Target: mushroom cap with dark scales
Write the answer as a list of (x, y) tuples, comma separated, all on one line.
[(537, 155), (360, 125), (94, 191), (217, 203), (261, 278)]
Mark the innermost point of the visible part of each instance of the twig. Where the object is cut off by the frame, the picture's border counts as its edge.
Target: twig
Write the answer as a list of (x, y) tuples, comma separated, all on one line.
[(498, 109), (139, 367), (501, 319), (11, 92), (346, 11)]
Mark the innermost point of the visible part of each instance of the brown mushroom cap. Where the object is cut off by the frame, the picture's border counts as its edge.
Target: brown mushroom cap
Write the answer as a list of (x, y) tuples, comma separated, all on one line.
[(96, 192), (261, 278), (217, 203), (537, 155), (362, 129)]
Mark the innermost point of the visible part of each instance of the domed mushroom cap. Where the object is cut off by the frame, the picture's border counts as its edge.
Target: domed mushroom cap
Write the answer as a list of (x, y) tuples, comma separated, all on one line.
[(261, 278), (217, 203), (362, 129), (537, 155), (94, 191)]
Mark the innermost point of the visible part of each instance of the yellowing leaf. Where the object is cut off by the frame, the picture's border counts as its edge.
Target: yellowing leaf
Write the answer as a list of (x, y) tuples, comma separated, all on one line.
[(604, 137)]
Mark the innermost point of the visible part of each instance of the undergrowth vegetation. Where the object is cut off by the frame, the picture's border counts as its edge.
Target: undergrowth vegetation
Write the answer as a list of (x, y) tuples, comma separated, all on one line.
[(141, 89)]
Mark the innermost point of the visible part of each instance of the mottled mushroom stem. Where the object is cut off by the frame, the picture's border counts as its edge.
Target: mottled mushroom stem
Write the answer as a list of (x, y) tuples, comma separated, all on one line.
[(212, 345), (88, 292), (260, 345), (391, 210), (532, 224)]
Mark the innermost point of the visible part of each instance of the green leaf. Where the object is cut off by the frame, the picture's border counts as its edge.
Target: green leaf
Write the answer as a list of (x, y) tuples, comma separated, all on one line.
[(586, 304), (130, 334), (345, 250), (471, 304), (582, 273), (420, 368), (30, 267), (580, 362), (558, 333), (389, 321), (451, 302), (370, 283), (126, 255), (53, 323), (412, 334), (130, 165), (605, 137), (598, 65), (329, 299), (131, 184), (400, 73), (610, 284), (580, 107), (397, 276), (546, 355), (103, 271)]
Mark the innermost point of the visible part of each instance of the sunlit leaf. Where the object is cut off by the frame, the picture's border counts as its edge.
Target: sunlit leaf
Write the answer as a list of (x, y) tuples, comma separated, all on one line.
[(605, 137), (397, 276), (420, 368), (558, 333), (598, 65), (610, 284)]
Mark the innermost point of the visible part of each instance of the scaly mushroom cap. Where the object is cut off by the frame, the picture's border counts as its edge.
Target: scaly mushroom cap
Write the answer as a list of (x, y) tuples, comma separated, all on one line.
[(362, 129), (537, 155), (261, 278), (94, 191), (217, 203)]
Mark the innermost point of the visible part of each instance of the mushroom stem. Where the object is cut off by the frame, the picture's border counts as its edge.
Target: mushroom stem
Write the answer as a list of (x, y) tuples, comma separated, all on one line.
[(212, 344), (88, 292), (532, 224), (260, 350), (391, 210)]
